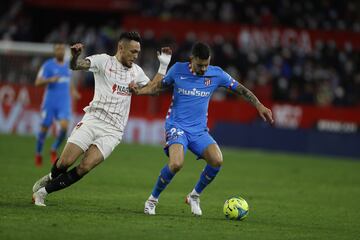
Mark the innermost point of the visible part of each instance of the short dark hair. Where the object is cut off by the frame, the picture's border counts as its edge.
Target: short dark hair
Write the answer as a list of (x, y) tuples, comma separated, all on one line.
[(130, 36), (200, 50)]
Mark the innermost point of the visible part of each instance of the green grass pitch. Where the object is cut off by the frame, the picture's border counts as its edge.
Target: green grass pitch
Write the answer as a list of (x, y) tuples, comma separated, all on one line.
[(290, 197)]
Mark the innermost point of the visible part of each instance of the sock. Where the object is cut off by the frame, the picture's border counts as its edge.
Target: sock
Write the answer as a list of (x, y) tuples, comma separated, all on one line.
[(60, 138), (55, 171), (194, 192), (163, 180), (40, 141), (63, 181), (206, 177)]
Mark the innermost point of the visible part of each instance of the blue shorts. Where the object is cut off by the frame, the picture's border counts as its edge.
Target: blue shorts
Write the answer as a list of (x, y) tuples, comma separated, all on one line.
[(196, 143), (49, 113)]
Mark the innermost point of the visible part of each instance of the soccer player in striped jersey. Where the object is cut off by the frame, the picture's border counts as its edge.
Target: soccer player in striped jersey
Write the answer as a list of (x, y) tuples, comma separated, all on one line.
[(193, 84), (102, 126), (56, 76)]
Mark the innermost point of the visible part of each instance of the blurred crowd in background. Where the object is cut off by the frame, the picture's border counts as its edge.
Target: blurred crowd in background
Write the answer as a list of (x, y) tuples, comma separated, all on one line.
[(325, 76), (322, 14)]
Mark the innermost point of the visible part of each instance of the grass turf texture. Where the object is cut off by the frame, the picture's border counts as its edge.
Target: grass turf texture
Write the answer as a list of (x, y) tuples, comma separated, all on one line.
[(290, 197)]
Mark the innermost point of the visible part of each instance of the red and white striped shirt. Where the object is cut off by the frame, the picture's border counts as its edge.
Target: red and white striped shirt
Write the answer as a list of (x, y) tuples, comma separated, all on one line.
[(112, 98)]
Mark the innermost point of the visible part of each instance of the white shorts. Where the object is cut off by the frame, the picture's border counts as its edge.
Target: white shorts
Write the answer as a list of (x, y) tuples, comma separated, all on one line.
[(91, 130)]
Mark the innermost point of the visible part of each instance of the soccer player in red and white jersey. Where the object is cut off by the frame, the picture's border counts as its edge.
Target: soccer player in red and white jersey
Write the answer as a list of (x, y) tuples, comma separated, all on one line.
[(102, 126)]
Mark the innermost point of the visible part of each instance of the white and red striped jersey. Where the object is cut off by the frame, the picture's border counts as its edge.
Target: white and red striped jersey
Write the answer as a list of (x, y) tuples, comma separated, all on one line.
[(111, 102)]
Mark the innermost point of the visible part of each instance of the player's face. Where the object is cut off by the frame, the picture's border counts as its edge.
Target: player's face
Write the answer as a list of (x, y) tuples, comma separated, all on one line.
[(129, 52), (59, 51), (199, 66)]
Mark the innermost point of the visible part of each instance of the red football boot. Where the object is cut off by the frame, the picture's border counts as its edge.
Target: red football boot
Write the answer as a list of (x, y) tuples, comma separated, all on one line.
[(38, 160), (53, 156)]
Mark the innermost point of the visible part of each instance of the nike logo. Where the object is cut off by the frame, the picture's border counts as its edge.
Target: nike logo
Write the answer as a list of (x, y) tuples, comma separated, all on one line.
[(183, 77)]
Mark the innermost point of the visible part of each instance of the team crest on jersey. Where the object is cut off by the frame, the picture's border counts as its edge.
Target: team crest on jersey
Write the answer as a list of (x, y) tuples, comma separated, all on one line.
[(120, 90), (207, 81)]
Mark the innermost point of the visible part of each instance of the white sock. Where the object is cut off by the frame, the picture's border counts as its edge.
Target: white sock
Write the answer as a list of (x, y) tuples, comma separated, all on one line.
[(153, 198), (194, 192)]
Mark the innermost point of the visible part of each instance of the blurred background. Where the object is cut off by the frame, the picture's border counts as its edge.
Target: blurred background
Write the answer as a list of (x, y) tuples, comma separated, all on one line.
[(300, 58)]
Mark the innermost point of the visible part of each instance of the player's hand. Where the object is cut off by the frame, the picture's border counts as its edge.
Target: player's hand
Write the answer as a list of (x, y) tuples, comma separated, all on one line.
[(76, 49), (53, 79), (265, 113), (134, 88), (164, 56)]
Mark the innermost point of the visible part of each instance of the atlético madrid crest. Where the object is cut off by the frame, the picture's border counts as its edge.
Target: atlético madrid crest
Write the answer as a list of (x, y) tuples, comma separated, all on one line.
[(207, 81)]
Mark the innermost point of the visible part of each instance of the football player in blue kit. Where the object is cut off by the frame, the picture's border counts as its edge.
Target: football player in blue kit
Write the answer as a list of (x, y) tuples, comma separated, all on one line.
[(55, 74), (193, 84)]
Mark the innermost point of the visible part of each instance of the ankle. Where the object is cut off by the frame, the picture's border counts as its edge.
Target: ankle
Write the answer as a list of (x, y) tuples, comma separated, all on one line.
[(194, 193)]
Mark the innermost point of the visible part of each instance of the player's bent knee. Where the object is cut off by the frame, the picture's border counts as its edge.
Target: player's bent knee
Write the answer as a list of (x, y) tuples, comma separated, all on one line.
[(175, 166), (216, 161)]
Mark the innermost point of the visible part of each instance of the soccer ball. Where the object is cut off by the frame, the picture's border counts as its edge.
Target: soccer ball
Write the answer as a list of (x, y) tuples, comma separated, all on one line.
[(236, 208)]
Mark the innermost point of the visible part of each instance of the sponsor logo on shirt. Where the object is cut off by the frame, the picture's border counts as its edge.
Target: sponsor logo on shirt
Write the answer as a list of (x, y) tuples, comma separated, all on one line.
[(193, 92), (63, 79), (120, 90)]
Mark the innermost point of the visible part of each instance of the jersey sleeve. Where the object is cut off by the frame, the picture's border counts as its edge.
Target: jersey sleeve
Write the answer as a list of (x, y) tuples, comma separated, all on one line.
[(96, 62), (168, 79), (45, 71), (227, 81), (141, 78)]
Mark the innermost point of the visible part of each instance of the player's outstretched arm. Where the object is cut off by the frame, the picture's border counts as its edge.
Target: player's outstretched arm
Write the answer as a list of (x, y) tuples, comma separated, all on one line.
[(264, 112), (75, 62), (155, 86)]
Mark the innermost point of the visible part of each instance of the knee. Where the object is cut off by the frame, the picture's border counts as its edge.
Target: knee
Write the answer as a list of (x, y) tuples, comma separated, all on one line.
[(175, 166), (217, 162)]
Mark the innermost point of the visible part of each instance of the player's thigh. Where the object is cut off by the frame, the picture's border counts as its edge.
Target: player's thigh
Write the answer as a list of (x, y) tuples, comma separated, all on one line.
[(200, 143), (107, 142), (175, 136), (63, 115), (69, 155), (176, 157), (92, 157), (175, 148), (83, 135), (213, 156), (47, 116)]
